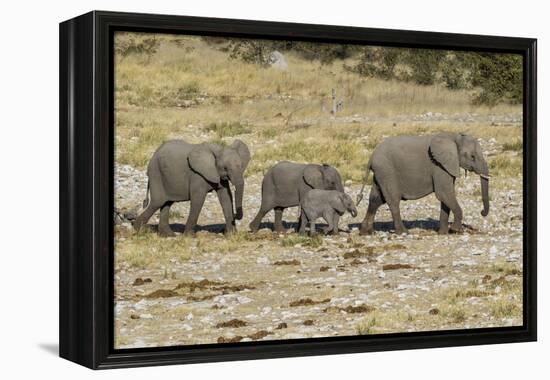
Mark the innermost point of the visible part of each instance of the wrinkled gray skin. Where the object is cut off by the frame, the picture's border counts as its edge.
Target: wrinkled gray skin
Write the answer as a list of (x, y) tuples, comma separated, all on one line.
[(328, 204), (411, 167), (179, 171), (286, 183)]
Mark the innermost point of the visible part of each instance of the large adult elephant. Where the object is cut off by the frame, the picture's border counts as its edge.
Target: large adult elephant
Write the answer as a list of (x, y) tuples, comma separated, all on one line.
[(179, 171), (411, 167), (285, 185)]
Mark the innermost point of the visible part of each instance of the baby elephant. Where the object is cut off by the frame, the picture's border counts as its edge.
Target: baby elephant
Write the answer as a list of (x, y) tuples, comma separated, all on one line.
[(328, 204)]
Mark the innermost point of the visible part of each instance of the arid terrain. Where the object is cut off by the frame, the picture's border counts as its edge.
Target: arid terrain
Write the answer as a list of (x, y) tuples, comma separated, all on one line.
[(243, 287)]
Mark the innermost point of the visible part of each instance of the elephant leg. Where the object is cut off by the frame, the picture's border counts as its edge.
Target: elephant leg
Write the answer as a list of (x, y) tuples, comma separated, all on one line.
[(444, 219), (300, 226), (197, 201), (388, 186), (164, 226), (447, 196), (375, 201), (145, 216), (255, 224), (303, 221), (278, 225), (312, 230), (396, 216), (224, 196), (328, 216), (335, 222)]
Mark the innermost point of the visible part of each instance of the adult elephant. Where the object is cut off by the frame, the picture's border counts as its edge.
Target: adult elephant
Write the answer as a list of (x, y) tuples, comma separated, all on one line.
[(285, 185), (179, 171), (411, 167)]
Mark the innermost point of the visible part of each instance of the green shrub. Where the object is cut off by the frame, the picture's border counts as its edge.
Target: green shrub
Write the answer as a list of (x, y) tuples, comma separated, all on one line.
[(135, 43)]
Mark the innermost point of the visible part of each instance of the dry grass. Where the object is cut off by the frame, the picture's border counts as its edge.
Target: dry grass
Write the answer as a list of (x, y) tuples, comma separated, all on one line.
[(190, 90)]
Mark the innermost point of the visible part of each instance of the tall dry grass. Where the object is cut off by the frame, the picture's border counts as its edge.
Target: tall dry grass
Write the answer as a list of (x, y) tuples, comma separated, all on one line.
[(189, 89)]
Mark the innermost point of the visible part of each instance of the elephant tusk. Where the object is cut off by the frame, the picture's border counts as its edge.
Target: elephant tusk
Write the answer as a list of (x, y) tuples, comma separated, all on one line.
[(485, 176)]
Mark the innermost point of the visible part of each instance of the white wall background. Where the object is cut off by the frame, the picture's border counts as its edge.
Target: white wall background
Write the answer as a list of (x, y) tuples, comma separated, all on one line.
[(29, 186)]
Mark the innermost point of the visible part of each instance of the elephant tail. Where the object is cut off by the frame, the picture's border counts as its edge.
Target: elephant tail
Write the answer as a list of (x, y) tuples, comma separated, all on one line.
[(146, 200), (360, 195)]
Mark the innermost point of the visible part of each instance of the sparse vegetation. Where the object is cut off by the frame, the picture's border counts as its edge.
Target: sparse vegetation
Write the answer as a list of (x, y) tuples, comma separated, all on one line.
[(514, 146), (292, 240)]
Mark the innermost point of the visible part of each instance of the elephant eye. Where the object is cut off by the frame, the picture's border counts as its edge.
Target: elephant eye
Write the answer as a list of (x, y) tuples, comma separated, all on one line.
[(473, 157)]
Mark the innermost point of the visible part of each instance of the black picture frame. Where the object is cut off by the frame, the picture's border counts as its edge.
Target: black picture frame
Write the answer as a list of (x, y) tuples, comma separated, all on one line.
[(86, 190)]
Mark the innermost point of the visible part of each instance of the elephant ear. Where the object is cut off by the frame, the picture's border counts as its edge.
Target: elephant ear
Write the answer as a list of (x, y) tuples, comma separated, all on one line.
[(242, 151), (202, 160), (313, 176), (445, 152), (337, 203)]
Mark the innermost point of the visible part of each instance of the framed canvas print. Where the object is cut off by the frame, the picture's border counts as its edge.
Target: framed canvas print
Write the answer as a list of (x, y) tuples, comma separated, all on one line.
[(238, 189)]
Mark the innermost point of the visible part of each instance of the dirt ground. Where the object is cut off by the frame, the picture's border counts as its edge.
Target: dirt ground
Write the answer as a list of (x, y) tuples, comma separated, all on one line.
[(284, 286)]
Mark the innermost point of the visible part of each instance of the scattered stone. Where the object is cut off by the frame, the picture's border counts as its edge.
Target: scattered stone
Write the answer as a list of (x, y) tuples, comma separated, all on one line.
[(141, 281), (287, 262), (324, 269), (234, 339), (307, 302), (366, 251), (231, 323), (162, 293), (434, 311), (134, 316), (397, 266), (277, 61), (308, 322), (351, 309), (281, 326), (259, 335)]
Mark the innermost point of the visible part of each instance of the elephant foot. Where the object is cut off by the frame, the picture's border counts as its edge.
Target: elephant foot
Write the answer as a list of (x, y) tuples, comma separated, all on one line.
[(280, 230), (254, 227), (166, 232), (366, 231), (443, 228), (401, 231), (189, 233), (229, 230), (456, 229), (137, 225)]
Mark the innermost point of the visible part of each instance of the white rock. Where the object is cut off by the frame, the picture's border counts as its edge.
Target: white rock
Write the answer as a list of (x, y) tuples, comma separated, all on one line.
[(262, 260), (145, 316), (493, 250)]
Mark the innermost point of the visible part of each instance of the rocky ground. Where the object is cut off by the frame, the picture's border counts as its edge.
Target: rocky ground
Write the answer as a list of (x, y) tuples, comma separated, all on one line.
[(271, 286)]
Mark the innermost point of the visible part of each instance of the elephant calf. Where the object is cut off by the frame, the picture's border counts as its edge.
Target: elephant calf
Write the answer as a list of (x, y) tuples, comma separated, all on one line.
[(285, 185), (328, 204), (412, 167)]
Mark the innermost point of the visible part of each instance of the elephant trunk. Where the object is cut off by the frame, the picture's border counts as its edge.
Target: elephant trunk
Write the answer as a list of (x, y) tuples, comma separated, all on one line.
[(485, 194), (239, 192), (353, 211), (484, 178)]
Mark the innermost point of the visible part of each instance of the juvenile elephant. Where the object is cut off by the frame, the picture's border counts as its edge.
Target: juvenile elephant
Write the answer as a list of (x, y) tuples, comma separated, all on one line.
[(411, 167), (328, 204), (179, 171), (286, 183)]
